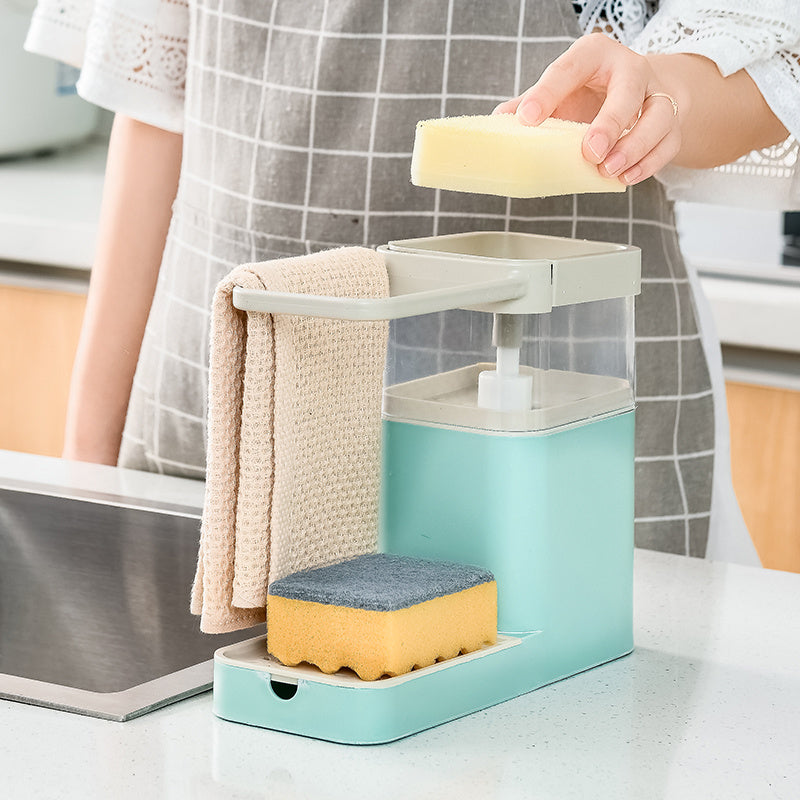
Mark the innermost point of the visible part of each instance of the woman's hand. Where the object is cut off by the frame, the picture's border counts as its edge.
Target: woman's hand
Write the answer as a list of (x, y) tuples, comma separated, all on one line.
[(635, 127), (647, 111)]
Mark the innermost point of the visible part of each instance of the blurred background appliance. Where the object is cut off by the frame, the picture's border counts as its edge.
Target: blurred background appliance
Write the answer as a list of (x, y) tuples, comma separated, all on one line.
[(39, 109), (791, 236)]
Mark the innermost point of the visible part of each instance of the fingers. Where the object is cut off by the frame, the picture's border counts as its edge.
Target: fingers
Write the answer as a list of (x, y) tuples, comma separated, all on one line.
[(626, 82), (508, 106), (564, 76), (618, 115), (594, 64), (633, 130), (649, 146), (655, 160)]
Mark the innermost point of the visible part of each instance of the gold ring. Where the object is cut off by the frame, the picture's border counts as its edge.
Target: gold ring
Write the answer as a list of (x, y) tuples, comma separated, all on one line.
[(668, 97)]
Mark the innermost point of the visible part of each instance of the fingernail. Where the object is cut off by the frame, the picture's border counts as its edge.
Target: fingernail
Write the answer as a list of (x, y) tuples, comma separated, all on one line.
[(633, 175), (598, 144), (614, 163), (530, 112)]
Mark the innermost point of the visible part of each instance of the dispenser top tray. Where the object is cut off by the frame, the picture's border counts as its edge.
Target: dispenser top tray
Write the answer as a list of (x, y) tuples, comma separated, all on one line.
[(492, 271), (450, 399)]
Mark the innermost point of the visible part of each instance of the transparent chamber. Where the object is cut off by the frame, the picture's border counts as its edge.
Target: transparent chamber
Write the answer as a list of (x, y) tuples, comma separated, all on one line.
[(562, 354)]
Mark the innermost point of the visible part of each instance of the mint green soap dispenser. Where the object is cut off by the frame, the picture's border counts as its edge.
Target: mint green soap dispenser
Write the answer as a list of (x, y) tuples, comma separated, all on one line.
[(521, 462)]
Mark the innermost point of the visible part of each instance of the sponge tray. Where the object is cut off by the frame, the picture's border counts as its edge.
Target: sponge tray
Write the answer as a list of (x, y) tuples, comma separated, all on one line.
[(252, 654)]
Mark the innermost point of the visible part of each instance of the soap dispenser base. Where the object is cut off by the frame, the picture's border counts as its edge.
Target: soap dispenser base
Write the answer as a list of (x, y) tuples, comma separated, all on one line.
[(252, 688)]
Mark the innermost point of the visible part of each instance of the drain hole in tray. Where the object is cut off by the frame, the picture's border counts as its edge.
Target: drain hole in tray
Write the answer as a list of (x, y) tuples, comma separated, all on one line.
[(281, 690)]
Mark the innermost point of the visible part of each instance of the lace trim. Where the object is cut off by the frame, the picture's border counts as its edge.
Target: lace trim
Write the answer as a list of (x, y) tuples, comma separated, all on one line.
[(152, 55), (779, 161), (732, 39), (132, 55), (623, 20)]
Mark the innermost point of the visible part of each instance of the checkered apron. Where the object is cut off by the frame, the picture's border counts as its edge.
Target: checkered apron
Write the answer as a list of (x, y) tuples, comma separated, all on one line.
[(300, 118)]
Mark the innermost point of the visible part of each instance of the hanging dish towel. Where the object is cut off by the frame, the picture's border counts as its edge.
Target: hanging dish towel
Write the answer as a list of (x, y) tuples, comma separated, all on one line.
[(293, 458)]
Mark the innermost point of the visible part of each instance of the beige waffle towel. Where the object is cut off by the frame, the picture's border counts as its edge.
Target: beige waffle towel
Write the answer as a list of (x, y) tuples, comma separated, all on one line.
[(294, 435)]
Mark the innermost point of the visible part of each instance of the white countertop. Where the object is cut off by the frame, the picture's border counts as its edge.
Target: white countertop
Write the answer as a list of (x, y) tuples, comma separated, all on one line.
[(98, 483), (707, 706)]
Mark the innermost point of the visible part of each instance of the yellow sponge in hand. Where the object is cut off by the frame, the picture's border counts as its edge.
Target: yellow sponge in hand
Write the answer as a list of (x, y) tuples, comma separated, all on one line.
[(497, 154), (381, 614)]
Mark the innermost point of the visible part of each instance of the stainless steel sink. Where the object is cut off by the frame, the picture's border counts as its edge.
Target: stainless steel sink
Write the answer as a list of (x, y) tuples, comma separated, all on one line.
[(94, 604)]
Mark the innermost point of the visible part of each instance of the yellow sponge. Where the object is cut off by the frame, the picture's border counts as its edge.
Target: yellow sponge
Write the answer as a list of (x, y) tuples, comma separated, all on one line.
[(497, 154), (381, 614)]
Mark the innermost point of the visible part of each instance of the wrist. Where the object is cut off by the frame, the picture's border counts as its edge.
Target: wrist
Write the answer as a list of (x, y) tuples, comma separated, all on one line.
[(721, 118)]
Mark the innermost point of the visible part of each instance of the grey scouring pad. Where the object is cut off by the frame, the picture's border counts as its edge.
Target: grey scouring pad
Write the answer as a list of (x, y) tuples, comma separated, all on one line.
[(380, 582)]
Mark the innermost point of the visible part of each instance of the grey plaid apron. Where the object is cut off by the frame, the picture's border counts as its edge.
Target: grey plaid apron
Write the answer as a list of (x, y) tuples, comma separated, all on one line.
[(300, 118)]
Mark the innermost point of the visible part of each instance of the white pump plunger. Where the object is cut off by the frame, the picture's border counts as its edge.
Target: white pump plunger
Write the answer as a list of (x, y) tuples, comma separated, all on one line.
[(504, 388)]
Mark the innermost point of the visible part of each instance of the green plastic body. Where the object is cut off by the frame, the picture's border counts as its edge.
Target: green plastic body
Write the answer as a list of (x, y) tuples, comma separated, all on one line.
[(550, 514)]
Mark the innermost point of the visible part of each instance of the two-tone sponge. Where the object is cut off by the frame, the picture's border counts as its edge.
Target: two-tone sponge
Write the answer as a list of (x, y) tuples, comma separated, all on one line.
[(381, 614)]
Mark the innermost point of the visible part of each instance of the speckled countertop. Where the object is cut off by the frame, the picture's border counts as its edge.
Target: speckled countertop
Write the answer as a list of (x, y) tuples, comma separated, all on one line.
[(707, 706)]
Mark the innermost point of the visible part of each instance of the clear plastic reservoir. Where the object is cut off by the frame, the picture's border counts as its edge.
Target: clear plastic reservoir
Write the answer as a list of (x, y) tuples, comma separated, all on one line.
[(515, 371)]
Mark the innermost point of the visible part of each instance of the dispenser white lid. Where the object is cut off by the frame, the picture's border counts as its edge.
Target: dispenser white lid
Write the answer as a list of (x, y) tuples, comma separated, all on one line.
[(557, 271)]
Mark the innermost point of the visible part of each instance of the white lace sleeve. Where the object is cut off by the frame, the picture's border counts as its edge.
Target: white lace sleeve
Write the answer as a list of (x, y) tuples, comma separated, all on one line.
[(622, 20), (132, 53), (763, 37)]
